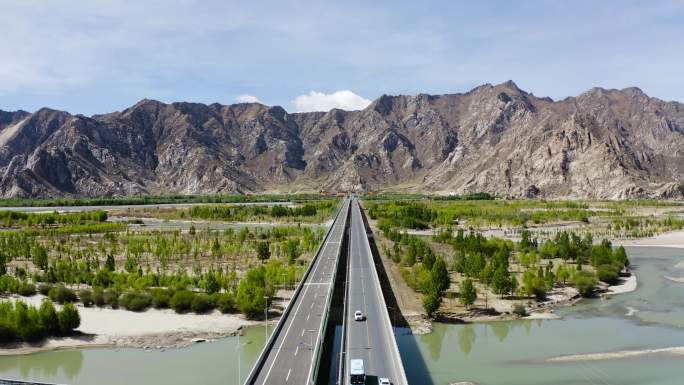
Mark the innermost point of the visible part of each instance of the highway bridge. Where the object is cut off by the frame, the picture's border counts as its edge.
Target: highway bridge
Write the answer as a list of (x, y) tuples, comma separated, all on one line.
[(371, 339), (291, 355), (293, 352)]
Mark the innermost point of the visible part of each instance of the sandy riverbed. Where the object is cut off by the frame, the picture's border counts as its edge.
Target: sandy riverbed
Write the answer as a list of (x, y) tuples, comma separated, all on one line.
[(154, 329), (615, 355), (627, 285), (673, 239)]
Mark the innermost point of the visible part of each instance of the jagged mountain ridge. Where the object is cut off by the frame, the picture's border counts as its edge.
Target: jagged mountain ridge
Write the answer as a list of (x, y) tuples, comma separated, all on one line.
[(494, 138)]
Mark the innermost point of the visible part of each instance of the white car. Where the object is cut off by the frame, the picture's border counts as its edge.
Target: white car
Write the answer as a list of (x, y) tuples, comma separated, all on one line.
[(384, 381), (358, 316)]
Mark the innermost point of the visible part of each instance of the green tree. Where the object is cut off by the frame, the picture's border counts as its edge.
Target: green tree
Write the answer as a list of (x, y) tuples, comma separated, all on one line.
[(548, 249), (61, 293), (431, 303), (131, 264), (48, 317), (86, 297), (468, 293), (514, 285), (534, 284), (211, 283), (250, 298), (562, 273), (526, 242), (110, 264), (292, 250), (27, 322), (585, 282), (620, 257), (225, 302), (181, 301), (263, 251), (608, 274), (501, 283), (487, 274), (278, 211), (40, 257), (69, 319), (216, 248), (439, 276), (202, 303), (411, 254), (601, 254)]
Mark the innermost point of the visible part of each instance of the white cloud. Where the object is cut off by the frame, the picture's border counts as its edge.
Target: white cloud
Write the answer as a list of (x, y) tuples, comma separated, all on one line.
[(318, 101), (246, 98)]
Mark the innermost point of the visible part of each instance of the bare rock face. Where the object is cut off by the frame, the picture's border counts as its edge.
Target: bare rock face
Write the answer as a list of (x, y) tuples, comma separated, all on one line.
[(497, 139)]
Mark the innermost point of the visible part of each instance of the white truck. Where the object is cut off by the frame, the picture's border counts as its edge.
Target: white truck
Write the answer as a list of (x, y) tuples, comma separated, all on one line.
[(356, 373)]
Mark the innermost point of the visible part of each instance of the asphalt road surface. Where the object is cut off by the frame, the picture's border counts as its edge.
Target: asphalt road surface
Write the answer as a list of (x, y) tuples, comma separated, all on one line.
[(372, 339), (291, 359)]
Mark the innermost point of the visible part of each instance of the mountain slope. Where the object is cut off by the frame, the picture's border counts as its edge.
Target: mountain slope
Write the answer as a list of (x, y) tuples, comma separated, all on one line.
[(499, 139)]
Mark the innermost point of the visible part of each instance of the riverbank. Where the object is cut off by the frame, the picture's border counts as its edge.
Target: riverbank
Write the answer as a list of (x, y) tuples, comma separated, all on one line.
[(151, 329), (674, 239), (490, 308), (627, 285)]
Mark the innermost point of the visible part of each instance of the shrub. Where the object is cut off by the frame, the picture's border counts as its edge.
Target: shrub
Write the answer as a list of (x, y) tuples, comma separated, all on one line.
[(520, 310), (263, 251), (98, 297), (111, 298), (44, 288), (161, 298), (26, 289), (211, 283), (136, 301), (181, 301), (27, 322), (585, 282), (431, 303), (250, 299), (8, 284), (69, 318), (22, 322), (608, 274), (86, 296), (7, 331), (225, 302), (62, 294), (202, 303), (48, 317)]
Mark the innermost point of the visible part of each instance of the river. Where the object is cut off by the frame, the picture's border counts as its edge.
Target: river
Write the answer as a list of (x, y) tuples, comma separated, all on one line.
[(512, 352), (222, 362), (515, 352)]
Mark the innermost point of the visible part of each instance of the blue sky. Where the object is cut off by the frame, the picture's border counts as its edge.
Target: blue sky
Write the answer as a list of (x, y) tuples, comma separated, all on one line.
[(95, 56)]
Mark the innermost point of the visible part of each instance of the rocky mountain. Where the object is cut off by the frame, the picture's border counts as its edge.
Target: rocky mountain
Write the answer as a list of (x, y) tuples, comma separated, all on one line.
[(495, 138)]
